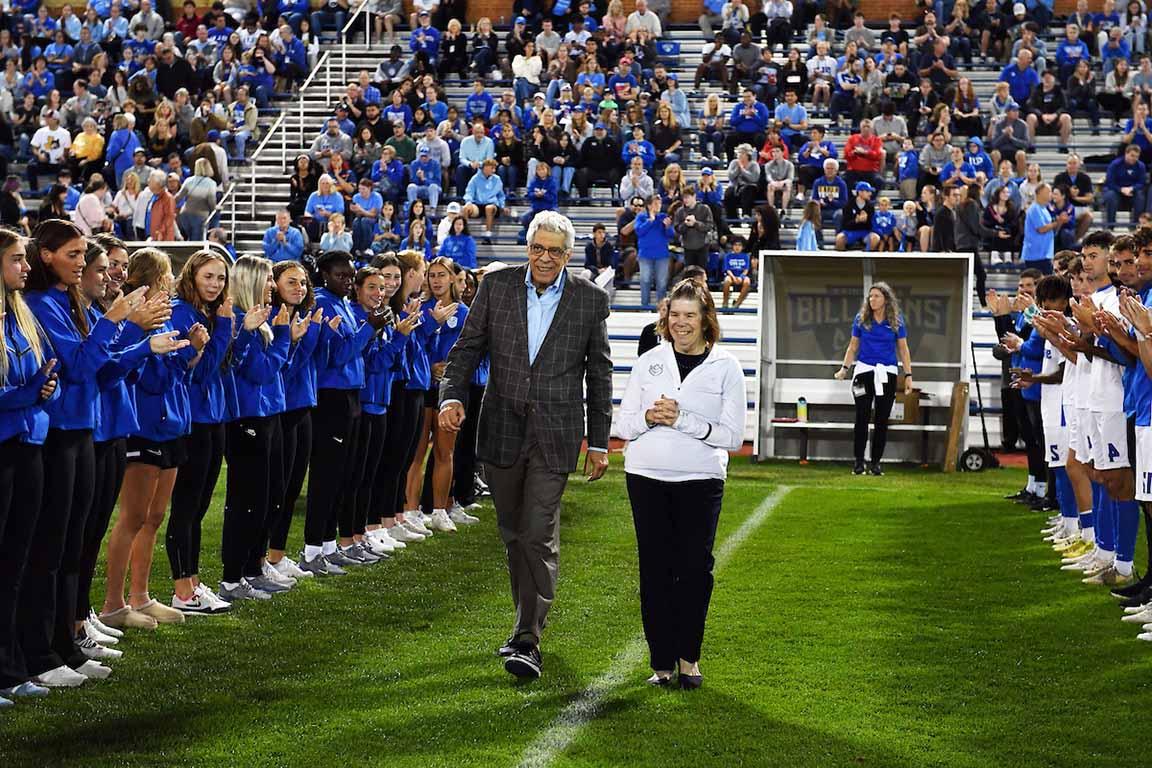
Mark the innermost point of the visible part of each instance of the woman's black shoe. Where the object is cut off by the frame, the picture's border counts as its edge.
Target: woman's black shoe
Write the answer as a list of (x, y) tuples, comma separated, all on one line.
[(875, 469), (858, 469), (1135, 588), (690, 682)]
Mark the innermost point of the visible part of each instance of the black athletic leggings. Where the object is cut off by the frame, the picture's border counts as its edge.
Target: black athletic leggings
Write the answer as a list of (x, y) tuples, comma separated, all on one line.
[(464, 454), (373, 429), (276, 485), (297, 428), (110, 464), (864, 392), (405, 414), (345, 523), (47, 609), (1037, 466), (332, 433), (191, 497), (21, 489), (249, 453)]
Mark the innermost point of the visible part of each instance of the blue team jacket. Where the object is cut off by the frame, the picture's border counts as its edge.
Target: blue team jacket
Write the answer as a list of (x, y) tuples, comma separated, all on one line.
[(160, 391), (300, 374), (206, 387), (340, 353), (382, 361), (22, 413), (417, 367), (1032, 358), (78, 359), (116, 417), (257, 370)]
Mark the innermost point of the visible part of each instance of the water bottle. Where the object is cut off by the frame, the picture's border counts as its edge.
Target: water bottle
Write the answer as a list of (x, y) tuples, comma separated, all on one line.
[(802, 409)]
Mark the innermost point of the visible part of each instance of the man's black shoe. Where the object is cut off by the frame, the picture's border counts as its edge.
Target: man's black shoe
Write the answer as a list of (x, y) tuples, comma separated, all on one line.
[(1018, 496), (874, 469), (525, 663), (1042, 504), (1135, 588), (1143, 598), (858, 469), (509, 648)]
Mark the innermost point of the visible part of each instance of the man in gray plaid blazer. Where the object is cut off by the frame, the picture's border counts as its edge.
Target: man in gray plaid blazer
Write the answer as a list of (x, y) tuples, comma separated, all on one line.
[(546, 334)]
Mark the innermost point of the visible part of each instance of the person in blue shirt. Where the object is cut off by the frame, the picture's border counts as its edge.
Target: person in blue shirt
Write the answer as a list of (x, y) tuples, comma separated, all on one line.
[(879, 338), (59, 53), (737, 268), (1126, 181), (792, 118), (654, 233), (293, 11), (424, 177), (1040, 232), (979, 160), (908, 169), (479, 104), (459, 245), (957, 171), (365, 206), (331, 15), (27, 383), (640, 147), (542, 194), (282, 241), (485, 193), (1071, 51), (1061, 205), (1115, 48), (202, 300), (1021, 77), (884, 225), (40, 81), (321, 204), (388, 175), (425, 41), (436, 110), (291, 59), (747, 124), (398, 111), (831, 193)]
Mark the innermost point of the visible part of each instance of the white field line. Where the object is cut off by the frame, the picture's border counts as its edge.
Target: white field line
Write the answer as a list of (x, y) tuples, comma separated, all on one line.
[(554, 740)]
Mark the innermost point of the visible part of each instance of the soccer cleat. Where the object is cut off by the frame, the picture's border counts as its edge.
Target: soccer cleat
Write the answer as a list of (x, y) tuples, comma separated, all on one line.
[(1089, 554), (1136, 601), (1097, 566), (93, 650), (1018, 496), (1135, 588), (126, 618), (94, 620), (94, 670), (317, 566), (1109, 577), (288, 567), (441, 522), (60, 677), (858, 468), (458, 516), (1076, 549), (161, 614), (874, 469)]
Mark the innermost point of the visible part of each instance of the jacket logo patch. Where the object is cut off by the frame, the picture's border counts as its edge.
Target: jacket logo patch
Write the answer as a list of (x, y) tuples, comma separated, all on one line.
[(452, 322), (656, 369)]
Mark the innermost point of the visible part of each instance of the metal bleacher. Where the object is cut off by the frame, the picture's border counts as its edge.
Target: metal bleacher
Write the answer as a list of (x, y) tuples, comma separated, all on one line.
[(264, 190)]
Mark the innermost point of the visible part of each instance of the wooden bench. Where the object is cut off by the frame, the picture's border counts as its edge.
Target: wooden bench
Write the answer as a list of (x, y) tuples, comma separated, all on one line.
[(806, 427)]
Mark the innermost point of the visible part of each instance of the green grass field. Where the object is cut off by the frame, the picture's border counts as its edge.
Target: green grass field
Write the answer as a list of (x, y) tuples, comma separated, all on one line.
[(910, 620)]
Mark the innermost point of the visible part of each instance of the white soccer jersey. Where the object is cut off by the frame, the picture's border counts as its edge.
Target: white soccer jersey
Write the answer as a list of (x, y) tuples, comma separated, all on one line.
[(1051, 395), (1106, 388), (1068, 387)]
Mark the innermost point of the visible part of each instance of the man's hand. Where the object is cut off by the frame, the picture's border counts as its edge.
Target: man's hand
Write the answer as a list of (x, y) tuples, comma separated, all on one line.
[(595, 464), (451, 417), (1084, 310)]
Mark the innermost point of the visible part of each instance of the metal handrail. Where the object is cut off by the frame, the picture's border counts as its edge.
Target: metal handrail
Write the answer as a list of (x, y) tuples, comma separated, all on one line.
[(220, 206), (256, 156), (321, 65), (362, 10)]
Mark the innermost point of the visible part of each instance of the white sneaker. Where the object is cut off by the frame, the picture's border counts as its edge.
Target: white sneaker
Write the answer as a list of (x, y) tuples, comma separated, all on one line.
[(97, 635), (93, 650), (457, 515), (401, 534), (288, 567), (94, 670), (1143, 617), (441, 522), (276, 577), (218, 605), (373, 547), (196, 604), (381, 540), (1145, 636), (1137, 608), (415, 524), (94, 620), (995, 258), (1078, 563), (61, 677)]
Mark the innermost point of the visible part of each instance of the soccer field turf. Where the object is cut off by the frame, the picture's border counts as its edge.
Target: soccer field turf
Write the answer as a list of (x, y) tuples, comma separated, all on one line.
[(911, 620)]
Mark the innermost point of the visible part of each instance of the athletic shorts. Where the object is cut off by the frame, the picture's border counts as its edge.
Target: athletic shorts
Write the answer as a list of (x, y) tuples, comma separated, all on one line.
[(1056, 446), (1143, 463), (1076, 434), (166, 455), (854, 236), (1109, 436), (1047, 129), (432, 397)]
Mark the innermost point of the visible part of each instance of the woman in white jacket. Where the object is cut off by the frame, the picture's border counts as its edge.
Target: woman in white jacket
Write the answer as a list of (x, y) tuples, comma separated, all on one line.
[(682, 412)]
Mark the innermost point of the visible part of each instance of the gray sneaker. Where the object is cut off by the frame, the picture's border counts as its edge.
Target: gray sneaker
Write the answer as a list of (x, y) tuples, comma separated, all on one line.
[(242, 591), (317, 566), (342, 559), (265, 584), (367, 556), (334, 569)]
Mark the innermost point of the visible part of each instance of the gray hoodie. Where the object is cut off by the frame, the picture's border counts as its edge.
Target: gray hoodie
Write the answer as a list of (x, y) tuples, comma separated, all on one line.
[(693, 238)]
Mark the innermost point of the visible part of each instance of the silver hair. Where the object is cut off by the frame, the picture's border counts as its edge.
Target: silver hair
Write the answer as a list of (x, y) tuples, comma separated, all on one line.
[(551, 221), (831, 163), (158, 177)]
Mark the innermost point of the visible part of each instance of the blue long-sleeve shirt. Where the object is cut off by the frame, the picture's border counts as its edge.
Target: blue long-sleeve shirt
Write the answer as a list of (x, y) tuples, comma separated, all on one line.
[(542, 193), (122, 146), (382, 361), (444, 337), (340, 353), (830, 193), (22, 413), (431, 170), (755, 122), (290, 250), (417, 370), (638, 147), (1020, 81), (1032, 358), (116, 415), (206, 387), (1121, 174), (430, 44), (653, 235), (461, 249), (485, 190)]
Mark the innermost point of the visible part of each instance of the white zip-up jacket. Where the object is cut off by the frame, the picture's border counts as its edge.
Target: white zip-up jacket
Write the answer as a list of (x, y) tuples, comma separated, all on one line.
[(712, 403)]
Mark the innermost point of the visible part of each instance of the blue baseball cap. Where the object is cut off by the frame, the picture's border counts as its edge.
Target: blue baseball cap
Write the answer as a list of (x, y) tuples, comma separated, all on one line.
[(601, 127), (706, 172), (521, 20), (863, 186)]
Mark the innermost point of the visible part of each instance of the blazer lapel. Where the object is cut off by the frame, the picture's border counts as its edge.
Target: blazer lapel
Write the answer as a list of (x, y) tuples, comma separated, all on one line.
[(562, 309)]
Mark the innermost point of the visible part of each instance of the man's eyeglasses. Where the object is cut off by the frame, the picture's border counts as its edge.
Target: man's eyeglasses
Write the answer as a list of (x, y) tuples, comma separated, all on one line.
[(539, 250)]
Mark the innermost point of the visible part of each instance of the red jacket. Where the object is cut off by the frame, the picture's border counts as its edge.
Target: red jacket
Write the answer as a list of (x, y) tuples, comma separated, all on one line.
[(870, 160)]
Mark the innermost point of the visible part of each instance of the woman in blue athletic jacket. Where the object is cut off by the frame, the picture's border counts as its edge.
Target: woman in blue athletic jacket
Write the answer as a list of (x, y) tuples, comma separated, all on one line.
[(444, 287), (115, 420), (201, 300), (339, 378), (294, 289), (437, 311), (259, 354), (464, 456), (48, 592), (27, 382), (405, 407), (155, 452), (374, 286)]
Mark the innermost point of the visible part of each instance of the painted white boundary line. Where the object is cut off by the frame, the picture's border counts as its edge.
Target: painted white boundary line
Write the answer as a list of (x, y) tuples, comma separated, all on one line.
[(567, 726)]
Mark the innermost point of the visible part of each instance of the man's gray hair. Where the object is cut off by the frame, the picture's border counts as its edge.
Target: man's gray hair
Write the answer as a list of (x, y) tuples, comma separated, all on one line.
[(551, 221)]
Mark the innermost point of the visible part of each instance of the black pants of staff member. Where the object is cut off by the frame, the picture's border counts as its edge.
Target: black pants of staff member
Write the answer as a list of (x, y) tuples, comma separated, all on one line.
[(21, 489), (297, 428), (249, 452), (277, 481), (373, 431), (47, 609), (332, 424), (675, 530), (191, 497), (111, 461), (1037, 467), (405, 414), (864, 393)]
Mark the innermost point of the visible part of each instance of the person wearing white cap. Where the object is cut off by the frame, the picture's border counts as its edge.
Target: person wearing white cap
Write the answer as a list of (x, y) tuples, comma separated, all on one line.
[(451, 213), (879, 336)]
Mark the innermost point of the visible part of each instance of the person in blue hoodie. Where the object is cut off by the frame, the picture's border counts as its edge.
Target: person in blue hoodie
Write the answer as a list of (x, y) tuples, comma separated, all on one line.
[(979, 160), (654, 233), (381, 359), (48, 598), (459, 246), (294, 289), (27, 383), (155, 451), (1125, 180), (121, 151), (340, 376), (201, 300), (252, 445), (542, 194), (405, 405)]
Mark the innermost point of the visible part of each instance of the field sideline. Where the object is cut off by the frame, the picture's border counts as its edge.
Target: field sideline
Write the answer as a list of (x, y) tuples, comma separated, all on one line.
[(910, 620)]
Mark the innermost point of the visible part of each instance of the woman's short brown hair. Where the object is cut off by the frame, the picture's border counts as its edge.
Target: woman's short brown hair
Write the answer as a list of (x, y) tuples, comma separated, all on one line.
[(692, 290)]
